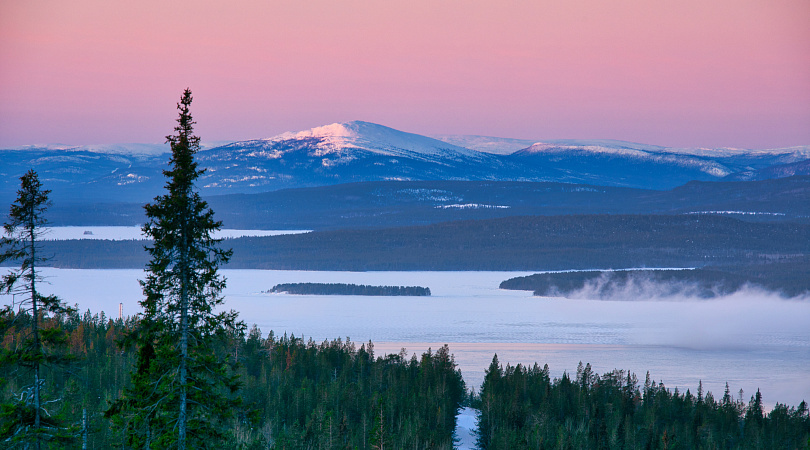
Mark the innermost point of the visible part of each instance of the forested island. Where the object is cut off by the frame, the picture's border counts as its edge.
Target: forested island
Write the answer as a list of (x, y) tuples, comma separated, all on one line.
[(787, 279), (349, 289)]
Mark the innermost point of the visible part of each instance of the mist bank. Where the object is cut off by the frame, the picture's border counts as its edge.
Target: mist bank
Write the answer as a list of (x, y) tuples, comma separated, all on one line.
[(788, 279)]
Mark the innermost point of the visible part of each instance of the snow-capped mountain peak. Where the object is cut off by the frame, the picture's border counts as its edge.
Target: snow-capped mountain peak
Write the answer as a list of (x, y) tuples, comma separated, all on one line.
[(337, 133), (338, 137)]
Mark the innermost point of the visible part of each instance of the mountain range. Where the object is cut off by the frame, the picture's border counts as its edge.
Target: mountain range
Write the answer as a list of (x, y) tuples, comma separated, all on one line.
[(361, 151)]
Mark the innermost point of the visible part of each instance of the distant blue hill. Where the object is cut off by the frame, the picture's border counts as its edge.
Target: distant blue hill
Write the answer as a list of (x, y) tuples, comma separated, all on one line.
[(362, 151)]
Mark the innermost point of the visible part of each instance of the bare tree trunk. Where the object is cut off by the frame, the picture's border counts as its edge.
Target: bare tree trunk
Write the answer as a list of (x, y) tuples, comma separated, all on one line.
[(182, 419), (84, 429), (181, 438), (35, 329)]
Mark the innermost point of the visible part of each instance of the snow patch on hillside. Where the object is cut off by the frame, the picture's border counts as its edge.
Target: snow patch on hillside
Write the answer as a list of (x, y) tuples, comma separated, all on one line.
[(742, 213), (486, 144), (650, 153), (126, 149), (472, 206)]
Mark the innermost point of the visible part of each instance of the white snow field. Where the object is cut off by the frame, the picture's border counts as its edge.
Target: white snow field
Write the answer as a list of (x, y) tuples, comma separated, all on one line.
[(750, 339)]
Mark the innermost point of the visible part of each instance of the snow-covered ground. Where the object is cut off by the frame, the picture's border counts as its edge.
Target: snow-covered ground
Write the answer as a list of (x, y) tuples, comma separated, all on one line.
[(130, 233), (750, 339), (466, 426)]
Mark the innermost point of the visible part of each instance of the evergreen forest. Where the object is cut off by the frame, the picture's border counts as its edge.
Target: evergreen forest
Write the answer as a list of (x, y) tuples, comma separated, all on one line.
[(297, 394), (522, 407), (293, 394), (790, 279)]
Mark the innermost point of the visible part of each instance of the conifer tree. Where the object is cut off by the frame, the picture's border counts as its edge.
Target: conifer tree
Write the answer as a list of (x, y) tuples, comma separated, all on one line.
[(182, 390), (25, 420)]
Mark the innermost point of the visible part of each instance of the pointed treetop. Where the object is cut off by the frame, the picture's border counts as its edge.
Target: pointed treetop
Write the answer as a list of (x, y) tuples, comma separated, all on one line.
[(31, 202), (185, 126)]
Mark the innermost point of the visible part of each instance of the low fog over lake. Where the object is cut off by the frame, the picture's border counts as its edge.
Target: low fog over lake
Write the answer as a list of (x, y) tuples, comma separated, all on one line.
[(752, 339)]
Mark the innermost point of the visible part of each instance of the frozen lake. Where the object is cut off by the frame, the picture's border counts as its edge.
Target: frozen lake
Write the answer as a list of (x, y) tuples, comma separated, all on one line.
[(751, 339), (130, 233)]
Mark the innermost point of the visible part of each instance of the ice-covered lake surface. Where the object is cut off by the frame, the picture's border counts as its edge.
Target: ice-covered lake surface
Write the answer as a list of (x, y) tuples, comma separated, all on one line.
[(750, 340), (134, 233)]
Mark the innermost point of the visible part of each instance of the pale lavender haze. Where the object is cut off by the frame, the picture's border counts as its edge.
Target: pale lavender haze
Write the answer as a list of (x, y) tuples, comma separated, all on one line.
[(686, 73)]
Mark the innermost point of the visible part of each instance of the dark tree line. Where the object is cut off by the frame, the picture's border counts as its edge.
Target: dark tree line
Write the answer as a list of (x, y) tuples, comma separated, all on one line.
[(513, 243), (294, 394), (298, 394), (97, 376), (334, 395), (522, 407), (349, 289)]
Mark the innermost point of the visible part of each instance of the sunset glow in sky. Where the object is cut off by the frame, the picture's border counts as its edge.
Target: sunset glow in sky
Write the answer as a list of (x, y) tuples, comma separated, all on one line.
[(677, 73)]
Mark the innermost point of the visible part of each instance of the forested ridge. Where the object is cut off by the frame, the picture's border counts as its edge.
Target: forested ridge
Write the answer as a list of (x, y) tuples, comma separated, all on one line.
[(513, 243), (383, 204)]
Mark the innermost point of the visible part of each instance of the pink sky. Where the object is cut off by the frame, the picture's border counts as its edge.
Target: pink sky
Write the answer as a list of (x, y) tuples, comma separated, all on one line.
[(677, 73)]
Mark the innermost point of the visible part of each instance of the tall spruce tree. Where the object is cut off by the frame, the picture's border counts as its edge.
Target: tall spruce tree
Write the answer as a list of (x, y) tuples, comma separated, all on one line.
[(182, 388), (39, 345)]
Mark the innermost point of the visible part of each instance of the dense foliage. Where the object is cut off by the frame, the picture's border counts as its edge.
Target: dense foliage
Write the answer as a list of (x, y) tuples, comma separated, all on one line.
[(349, 289), (521, 407), (333, 395), (295, 394), (97, 377)]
